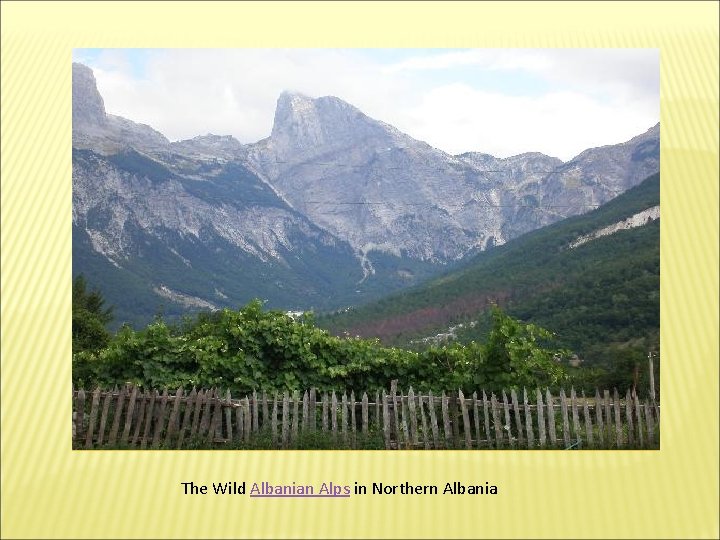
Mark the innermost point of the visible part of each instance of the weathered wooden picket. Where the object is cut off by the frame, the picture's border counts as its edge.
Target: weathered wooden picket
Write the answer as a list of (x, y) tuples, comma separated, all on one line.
[(132, 418)]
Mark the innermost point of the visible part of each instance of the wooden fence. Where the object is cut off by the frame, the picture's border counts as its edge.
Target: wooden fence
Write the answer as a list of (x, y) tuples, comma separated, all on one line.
[(132, 418)]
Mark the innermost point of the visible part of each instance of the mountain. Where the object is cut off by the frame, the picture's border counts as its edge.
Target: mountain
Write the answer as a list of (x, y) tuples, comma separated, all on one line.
[(593, 279), (384, 191), (94, 129), (333, 209), (173, 227)]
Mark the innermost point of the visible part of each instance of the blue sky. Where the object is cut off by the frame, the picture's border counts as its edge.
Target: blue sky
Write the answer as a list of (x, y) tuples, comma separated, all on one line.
[(498, 101)]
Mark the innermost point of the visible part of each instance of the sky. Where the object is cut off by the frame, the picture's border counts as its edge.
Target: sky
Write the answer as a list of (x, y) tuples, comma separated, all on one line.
[(497, 101)]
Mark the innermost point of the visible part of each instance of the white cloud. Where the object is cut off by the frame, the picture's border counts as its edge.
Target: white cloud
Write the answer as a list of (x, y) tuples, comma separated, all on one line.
[(481, 58), (560, 124), (582, 97)]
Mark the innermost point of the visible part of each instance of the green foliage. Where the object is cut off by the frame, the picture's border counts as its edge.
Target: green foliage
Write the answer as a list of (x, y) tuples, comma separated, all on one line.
[(253, 349), (89, 318), (516, 355)]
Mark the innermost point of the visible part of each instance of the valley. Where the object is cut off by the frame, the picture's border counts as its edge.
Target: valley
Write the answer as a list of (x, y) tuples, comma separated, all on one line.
[(333, 209)]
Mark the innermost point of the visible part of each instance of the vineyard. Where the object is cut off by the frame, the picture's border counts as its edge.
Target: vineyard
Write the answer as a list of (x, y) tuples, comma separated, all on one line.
[(255, 350), (257, 379)]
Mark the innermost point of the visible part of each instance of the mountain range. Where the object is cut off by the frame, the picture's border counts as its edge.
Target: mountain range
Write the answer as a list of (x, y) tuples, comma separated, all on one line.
[(593, 279), (333, 209)]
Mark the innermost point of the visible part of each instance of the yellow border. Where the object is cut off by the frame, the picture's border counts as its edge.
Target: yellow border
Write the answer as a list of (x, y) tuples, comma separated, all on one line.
[(50, 492)]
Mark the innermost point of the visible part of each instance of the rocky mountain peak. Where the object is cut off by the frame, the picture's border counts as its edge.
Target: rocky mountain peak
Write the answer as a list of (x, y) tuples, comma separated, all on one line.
[(105, 133), (225, 146), (296, 121), (304, 123), (88, 105)]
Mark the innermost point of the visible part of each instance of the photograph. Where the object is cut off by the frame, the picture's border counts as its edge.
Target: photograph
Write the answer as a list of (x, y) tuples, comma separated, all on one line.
[(355, 269), (366, 249)]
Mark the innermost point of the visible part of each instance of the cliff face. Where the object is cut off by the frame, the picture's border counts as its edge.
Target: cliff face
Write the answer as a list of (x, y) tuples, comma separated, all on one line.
[(332, 208)]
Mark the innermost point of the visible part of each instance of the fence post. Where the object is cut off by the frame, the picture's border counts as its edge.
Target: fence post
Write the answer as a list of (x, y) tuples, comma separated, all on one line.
[(344, 417), (423, 421), (608, 418), (160, 424), (566, 422), (651, 368), (413, 417), (386, 421), (551, 418), (206, 418), (285, 415), (265, 410), (305, 412), (405, 432), (129, 416), (93, 417), (396, 412), (80, 415), (518, 417), (508, 424), (377, 408), (496, 421), (446, 420), (353, 418), (455, 419), (256, 413), (325, 406), (541, 417), (104, 417), (650, 424), (116, 417), (148, 419), (189, 403), (285, 420), (313, 405), (466, 420), (199, 400), (174, 415), (273, 418), (528, 421), (618, 421), (575, 416), (486, 418), (656, 409), (433, 419), (629, 417), (333, 414), (638, 412), (364, 413), (295, 419), (588, 421), (215, 419), (207, 413), (138, 423), (228, 416), (240, 413), (599, 417), (248, 420)]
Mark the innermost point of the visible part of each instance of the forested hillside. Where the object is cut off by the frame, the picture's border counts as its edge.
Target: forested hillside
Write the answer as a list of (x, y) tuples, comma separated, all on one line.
[(600, 298)]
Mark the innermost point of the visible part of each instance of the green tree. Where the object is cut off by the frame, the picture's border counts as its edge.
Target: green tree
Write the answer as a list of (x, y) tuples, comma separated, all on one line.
[(518, 355), (89, 318)]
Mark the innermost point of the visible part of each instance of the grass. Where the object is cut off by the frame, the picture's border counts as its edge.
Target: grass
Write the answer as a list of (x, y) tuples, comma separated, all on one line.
[(263, 440)]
